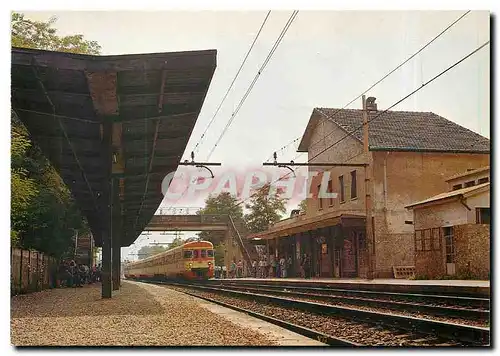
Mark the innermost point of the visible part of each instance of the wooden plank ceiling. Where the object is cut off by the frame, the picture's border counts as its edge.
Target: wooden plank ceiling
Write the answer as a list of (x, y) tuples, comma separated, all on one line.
[(153, 100)]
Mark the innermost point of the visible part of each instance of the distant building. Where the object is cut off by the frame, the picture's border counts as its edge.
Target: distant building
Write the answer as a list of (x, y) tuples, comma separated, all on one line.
[(452, 229), (411, 155)]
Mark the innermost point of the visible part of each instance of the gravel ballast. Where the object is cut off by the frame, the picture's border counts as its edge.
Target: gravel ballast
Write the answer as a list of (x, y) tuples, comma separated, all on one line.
[(137, 315)]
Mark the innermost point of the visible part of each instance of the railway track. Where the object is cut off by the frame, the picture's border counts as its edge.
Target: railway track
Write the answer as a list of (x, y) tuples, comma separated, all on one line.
[(339, 325), (479, 315), (433, 299)]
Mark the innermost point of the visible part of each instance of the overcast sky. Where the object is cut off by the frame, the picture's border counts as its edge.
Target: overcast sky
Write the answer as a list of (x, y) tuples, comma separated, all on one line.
[(325, 60)]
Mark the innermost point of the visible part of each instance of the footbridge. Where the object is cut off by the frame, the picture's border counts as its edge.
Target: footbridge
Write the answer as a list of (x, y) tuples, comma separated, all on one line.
[(191, 219)]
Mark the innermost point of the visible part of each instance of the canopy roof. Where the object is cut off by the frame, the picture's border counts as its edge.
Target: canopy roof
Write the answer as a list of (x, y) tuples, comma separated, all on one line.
[(152, 101)]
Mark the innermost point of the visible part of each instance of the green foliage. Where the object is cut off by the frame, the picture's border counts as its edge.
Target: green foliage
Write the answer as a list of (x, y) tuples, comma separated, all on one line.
[(222, 204), (26, 33), (176, 242), (266, 207), (43, 212), (303, 206), (219, 253)]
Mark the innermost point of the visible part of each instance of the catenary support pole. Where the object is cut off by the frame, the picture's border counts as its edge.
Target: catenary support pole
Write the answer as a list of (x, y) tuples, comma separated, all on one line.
[(368, 198)]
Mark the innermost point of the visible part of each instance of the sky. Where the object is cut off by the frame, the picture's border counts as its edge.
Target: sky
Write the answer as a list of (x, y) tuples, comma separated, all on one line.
[(326, 59)]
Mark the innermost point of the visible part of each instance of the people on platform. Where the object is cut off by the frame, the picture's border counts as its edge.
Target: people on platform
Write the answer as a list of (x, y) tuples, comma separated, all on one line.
[(282, 267), (273, 268), (232, 269), (306, 266), (224, 271), (254, 269), (239, 269), (289, 263)]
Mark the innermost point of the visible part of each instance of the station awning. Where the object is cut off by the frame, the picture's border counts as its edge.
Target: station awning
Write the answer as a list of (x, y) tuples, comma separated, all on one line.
[(304, 223), (150, 101)]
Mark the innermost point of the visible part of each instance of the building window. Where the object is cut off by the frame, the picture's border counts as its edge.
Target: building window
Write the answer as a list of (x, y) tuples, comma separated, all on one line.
[(427, 243), (324, 249), (483, 180), (483, 216), (418, 240), (436, 239), (320, 201), (457, 187), (354, 192), (449, 243), (341, 187), (427, 239), (469, 184), (330, 190)]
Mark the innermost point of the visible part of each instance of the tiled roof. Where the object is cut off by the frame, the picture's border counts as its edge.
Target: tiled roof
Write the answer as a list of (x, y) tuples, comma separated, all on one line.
[(403, 131), (468, 173), (454, 193)]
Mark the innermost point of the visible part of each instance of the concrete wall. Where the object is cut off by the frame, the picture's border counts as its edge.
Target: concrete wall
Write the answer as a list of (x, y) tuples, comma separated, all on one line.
[(446, 214), (472, 250), (480, 200)]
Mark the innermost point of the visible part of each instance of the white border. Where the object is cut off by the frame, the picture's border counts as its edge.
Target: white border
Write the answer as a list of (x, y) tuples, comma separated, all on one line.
[(189, 5)]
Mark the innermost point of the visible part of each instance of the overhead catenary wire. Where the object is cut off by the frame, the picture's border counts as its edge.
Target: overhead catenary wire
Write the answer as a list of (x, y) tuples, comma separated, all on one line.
[(196, 148), (263, 66), (383, 112), (329, 117)]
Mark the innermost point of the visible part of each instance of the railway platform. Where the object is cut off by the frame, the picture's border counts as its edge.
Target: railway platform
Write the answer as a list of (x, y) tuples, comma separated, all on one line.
[(452, 287), (137, 315)]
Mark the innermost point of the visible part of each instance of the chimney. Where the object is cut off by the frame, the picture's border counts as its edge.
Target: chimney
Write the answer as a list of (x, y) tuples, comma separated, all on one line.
[(370, 104)]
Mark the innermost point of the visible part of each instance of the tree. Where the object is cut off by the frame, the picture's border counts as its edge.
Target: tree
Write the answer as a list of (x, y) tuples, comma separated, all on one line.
[(265, 209), (176, 242), (222, 204), (303, 206), (26, 33), (44, 215)]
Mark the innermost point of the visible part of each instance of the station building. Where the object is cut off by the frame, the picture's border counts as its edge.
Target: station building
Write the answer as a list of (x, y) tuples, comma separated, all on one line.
[(410, 154), (452, 229)]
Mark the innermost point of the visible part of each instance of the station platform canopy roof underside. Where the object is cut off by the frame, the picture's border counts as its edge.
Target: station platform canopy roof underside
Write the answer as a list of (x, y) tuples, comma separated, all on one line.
[(303, 223), (145, 104)]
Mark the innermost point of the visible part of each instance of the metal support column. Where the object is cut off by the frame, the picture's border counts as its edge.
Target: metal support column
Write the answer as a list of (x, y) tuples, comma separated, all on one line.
[(116, 263), (116, 233)]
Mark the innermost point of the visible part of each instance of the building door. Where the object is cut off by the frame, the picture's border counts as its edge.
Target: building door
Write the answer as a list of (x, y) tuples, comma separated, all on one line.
[(349, 263), (326, 262), (450, 250), (336, 263)]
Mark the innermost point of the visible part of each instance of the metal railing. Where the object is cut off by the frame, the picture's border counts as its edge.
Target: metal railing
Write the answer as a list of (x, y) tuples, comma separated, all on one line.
[(190, 210)]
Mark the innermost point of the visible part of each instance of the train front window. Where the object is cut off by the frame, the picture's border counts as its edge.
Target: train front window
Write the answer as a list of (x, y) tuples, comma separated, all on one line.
[(188, 254), (203, 253), (210, 253), (195, 254)]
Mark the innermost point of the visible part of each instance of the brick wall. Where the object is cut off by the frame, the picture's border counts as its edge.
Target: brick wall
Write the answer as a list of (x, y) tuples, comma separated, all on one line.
[(472, 250)]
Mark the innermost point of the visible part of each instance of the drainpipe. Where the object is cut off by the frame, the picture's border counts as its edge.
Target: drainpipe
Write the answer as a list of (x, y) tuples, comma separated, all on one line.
[(385, 181)]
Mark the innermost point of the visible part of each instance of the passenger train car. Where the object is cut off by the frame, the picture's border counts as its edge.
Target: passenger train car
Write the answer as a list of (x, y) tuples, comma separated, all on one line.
[(193, 260)]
